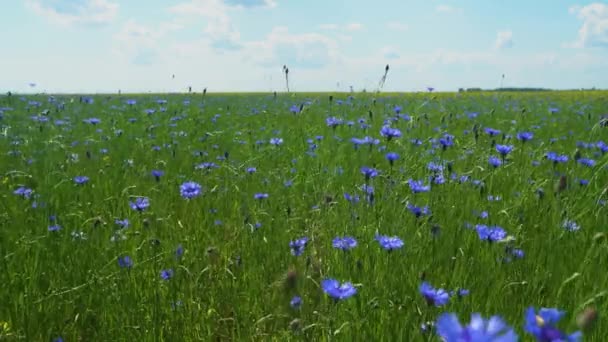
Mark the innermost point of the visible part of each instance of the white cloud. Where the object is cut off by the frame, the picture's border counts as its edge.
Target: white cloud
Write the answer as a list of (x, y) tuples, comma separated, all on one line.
[(447, 9), (77, 12), (141, 44), (306, 50), (397, 26), (346, 27), (390, 53), (594, 30), (353, 27), (252, 3), (329, 27), (504, 39)]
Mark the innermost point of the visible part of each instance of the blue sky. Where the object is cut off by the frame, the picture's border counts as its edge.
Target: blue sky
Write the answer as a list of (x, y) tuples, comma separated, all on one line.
[(241, 45)]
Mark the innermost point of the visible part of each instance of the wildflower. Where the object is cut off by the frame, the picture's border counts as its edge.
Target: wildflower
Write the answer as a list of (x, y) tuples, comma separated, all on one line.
[(491, 131), (570, 226), (525, 136), (81, 180), (297, 246), (478, 330), (586, 162), (338, 291), (417, 186), (24, 192), (436, 297), (260, 196), (556, 158), (389, 242), (504, 149), (490, 233), (179, 251), (352, 199), (125, 262), (157, 174), (390, 133), (140, 204), (122, 223), (369, 172), (54, 228), (434, 167), (166, 274), (296, 302), (391, 157), (494, 161), (542, 325), (333, 122), (418, 211), (344, 243), (190, 190), (276, 141)]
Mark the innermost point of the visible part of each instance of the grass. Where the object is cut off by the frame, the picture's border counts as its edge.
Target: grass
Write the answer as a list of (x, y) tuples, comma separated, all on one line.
[(234, 280)]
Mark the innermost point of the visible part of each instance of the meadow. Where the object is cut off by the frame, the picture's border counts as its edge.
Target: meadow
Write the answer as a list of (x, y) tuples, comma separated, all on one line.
[(318, 217)]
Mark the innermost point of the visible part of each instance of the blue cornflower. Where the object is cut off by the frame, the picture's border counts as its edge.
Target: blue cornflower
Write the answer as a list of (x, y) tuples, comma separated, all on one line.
[(542, 326), (391, 157), (206, 166), (189, 190), (446, 141), (260, 196), (297, 246), (434, 167), (276, 141), (122, 223), (478, 330), (157, 174), (418, 211), (417, 186), (369, 172), (140, 204), (125, 262), (166, 274), (54, 228), (352, 199), (333, 122), (494, 161), (490, 233), (296, 302), (570, 226), (179, 251), (24, 192), (80, 180), (504, 149), (344, 243), (556, 158), (435, 297), (587, 162), (389, 132), (92, 121), (251, 170), (338, 291), (389, 242), (525, 136), (491, 131)]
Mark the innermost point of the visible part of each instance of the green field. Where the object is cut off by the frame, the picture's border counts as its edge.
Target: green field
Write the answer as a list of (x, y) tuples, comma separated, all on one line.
[(218, 266)]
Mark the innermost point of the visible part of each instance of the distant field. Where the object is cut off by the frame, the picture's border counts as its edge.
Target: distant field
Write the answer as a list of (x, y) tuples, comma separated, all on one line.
[(190, 217)]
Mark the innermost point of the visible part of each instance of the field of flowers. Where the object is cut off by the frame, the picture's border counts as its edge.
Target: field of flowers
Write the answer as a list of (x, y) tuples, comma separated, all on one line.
[(352, 217)]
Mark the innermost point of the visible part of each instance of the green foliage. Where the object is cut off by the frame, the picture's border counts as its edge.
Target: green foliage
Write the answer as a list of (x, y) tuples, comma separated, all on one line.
[(234, 281)]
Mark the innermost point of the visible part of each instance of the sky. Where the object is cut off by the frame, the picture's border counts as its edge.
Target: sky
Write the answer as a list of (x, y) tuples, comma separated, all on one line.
[(92, 46)]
